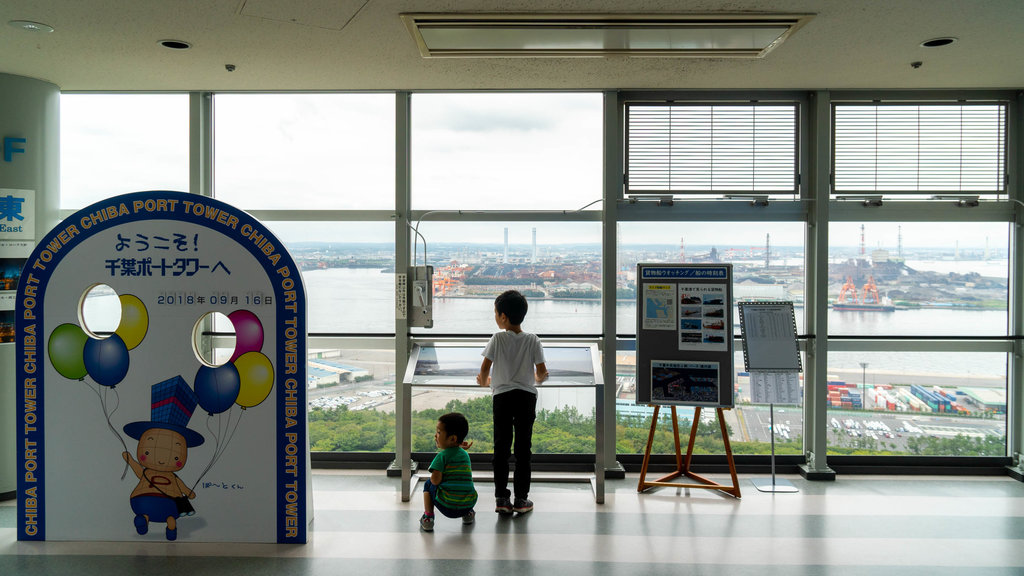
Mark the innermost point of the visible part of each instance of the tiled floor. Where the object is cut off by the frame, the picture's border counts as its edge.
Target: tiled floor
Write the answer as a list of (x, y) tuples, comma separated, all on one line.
[(858, 525)]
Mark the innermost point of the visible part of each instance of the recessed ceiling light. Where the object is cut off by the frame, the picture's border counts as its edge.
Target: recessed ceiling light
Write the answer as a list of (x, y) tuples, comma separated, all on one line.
[(936, 42), (30, 26), (175, 44)]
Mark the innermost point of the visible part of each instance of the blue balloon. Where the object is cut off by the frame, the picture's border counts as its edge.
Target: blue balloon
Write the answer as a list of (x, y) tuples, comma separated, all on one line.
[(217, 388), (106, 360)]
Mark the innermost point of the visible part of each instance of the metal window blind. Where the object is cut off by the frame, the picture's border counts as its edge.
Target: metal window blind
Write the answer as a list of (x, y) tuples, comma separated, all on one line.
[(711, 148), (919, 148)]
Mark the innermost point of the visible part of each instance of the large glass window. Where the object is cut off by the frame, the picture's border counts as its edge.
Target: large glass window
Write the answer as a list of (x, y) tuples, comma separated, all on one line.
[(305, 151), (922, 282), (348, 272), (495, 151), (767, 259), (938, 289), (918, 278), (565, 418), (768, 264), (351, 396), (917, 403), (557, 266), (118, 143)]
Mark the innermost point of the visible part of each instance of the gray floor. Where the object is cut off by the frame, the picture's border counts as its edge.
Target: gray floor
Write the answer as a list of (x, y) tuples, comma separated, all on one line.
[(858, 525)]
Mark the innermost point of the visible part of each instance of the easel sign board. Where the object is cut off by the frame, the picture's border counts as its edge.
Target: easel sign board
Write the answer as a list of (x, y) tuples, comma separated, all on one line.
[(130, 434), (684, 338)]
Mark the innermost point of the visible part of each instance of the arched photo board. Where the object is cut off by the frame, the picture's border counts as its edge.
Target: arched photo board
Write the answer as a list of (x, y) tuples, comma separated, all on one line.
[(140, 430), (684, 337), (684, 356)]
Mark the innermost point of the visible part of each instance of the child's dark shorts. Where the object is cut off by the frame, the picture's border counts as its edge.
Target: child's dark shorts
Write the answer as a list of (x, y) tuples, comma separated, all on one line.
[(430, 487)]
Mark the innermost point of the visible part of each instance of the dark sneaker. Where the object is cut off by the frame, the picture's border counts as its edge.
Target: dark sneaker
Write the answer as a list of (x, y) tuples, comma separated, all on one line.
[(522, 505), (427, 523), (469, 518), (502, 505)]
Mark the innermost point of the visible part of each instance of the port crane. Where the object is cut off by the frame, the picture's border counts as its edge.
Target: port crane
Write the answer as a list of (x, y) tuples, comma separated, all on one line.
[(869, 293), (849, 290)]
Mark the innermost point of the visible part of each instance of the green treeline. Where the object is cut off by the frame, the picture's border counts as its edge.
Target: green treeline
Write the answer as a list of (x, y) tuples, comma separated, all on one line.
[(567, 431)]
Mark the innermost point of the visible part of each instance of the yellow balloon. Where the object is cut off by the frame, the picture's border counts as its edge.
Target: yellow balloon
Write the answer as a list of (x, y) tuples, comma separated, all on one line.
[(134, 320), (256, 375)]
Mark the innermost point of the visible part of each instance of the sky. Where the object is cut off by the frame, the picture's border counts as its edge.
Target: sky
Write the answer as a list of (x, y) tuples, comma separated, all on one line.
[(470, 152)]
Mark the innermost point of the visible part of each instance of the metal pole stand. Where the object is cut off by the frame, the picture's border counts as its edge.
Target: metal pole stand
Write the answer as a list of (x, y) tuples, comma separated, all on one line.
[(773, 485)]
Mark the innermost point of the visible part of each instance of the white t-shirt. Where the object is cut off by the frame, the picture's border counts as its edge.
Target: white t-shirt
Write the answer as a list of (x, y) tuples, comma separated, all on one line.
[(514, 357)]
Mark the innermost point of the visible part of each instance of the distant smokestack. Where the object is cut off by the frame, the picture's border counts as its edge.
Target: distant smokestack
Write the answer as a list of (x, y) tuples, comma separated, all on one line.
[(505, 260), (533, 257)]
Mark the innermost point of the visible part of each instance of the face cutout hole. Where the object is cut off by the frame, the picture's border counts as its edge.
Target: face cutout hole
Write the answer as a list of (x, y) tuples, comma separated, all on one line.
[(99, 311), (213, 339)]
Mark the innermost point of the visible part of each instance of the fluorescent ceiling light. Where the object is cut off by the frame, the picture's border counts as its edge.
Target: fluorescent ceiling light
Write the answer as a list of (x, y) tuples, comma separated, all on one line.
[(594, 35)]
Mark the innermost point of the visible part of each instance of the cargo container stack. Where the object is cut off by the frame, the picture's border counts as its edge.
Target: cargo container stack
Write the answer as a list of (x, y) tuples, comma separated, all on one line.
[(937, 402)]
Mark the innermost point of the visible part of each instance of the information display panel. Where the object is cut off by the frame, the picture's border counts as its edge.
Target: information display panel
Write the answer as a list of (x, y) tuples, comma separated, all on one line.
[(455, 364), (684, 349)]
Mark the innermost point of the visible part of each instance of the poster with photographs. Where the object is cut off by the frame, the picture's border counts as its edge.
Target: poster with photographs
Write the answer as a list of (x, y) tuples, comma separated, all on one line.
[(659, 307), (690, 383), (702, 314), (690, 362)]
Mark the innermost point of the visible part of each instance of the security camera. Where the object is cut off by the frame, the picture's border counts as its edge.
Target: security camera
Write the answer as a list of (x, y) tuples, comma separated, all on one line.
[(229, 67)]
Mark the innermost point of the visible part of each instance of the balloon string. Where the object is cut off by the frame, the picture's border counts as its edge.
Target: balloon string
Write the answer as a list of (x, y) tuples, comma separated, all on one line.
[(108, 414), (216, 442), (220, 447), (223, 445)]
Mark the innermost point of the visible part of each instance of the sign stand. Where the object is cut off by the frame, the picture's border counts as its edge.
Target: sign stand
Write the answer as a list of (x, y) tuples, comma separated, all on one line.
[(772, 358), (683, 465), (780, 485)]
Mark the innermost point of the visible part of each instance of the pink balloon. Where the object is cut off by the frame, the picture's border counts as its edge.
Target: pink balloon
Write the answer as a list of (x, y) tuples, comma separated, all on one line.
[(248, 333)]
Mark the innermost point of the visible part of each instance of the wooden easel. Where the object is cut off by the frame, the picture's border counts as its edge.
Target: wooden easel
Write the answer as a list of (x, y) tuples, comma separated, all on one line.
[(683, 466)]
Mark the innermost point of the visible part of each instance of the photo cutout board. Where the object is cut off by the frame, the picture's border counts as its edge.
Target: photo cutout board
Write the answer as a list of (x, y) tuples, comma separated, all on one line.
[(161, 378), (684, 335)]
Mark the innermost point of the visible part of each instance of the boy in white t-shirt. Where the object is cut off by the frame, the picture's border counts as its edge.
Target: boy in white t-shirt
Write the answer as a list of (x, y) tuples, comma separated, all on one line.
[(517, 361)]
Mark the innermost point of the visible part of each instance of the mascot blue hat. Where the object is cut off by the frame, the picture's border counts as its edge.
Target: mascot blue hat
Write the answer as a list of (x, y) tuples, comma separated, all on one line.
[(172, 406)]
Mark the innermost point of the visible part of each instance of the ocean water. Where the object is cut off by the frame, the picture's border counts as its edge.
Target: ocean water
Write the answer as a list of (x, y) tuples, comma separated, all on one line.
[(345, 300)]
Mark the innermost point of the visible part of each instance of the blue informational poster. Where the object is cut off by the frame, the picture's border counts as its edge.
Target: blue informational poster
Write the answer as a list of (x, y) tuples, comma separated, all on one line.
[(135, 432), (684, 338)]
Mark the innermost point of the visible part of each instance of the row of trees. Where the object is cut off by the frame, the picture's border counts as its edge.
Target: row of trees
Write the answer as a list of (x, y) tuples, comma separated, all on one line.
[(567, 431)]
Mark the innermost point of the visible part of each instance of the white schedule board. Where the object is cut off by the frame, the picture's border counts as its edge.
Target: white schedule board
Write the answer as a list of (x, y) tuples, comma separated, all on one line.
[(769, 336), (684, 343), (774, 387), (770, 352)]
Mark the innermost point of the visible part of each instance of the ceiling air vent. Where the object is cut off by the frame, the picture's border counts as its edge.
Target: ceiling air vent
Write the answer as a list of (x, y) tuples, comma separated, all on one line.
[(597, 35)]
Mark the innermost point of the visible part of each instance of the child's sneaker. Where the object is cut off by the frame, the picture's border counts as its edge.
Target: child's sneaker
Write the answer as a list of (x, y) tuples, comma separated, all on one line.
[(522, 505), (503, 506), (427, 523), (469, 518)]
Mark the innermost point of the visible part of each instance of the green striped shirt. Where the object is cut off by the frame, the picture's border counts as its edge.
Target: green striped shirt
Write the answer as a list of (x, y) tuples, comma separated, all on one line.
[(456, 490)]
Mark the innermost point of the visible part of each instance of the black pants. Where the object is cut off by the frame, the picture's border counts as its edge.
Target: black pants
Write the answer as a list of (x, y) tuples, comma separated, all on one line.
[(514, 413)]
